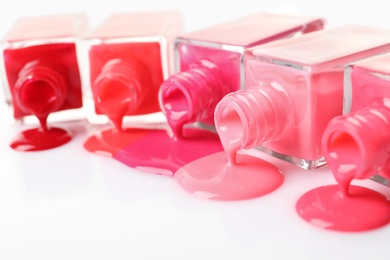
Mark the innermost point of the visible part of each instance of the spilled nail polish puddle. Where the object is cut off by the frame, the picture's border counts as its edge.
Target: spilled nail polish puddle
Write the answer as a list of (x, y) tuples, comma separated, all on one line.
[(213, 177), (109, 142), (327, 207), (38, 139), (229, 175), (157, 152), (344, 207)]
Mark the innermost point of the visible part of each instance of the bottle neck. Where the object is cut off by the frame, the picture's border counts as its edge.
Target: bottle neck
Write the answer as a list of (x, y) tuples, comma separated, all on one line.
[(40, 89), (192, 95), (357, 145), (250, 117), (119, 89)]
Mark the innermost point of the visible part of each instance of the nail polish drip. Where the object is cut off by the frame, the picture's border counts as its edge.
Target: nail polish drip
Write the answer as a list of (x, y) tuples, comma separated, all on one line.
[(346, 207), (229, 175), (40, 90), (191, 95), (183, 96), (118, 90)]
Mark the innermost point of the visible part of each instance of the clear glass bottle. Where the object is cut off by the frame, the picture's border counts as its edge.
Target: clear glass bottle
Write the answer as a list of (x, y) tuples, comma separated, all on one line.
[(129, 56), (42, 51), (294, 88), (209, 63), (361, 137)]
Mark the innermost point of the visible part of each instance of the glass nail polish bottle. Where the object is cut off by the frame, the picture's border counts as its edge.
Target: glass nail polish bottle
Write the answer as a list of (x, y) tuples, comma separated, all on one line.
[(49, 43), (361, 137), (129, 56), (356, 146), (42, 77), (209, 63), (294, 88)]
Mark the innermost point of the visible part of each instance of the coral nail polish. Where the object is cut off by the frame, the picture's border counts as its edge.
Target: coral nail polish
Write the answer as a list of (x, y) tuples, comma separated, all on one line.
[(210, 63), (356, 145), (294, 88), (129, 57), (42, 77)]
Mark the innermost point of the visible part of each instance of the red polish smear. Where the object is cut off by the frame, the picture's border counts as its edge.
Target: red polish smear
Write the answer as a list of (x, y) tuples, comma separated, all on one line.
[(38, 139)]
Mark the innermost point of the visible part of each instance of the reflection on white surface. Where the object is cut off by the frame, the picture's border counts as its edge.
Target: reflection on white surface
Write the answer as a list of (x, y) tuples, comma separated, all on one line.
[(66, 203)]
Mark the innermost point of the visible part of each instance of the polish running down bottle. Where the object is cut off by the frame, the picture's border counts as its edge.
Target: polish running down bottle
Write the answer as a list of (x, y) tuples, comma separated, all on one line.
[(129, 56), (356, 146), (294, 88), (366, 120), (42, 77), (209, 63)]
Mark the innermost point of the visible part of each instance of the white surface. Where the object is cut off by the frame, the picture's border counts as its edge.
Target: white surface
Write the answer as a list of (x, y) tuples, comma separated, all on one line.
[(66, 203)]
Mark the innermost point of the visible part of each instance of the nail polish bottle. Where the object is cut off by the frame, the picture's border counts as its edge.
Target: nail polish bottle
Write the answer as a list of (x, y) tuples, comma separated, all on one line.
[(209, 63), (42, 77), (40, 50), (356, 146), (294, 88), (358, 142), (129, 56)]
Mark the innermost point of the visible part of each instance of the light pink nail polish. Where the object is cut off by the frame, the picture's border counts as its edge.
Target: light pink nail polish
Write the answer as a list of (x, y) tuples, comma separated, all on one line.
[(365, 124), (210, 63), (356, 145), (294, 88)]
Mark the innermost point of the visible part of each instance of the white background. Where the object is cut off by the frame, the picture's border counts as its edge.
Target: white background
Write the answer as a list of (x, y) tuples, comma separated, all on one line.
[(68, 204)]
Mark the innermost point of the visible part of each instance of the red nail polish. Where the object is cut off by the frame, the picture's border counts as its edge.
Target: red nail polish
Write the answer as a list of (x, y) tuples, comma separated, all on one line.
[(42, 77)]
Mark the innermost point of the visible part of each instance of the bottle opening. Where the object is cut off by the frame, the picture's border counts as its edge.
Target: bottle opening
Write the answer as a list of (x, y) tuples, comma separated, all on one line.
[(176, 107), (344, 154), (114, 97), (230, 130)]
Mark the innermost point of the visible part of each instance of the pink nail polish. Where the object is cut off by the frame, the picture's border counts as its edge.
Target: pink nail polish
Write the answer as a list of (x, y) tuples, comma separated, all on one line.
[(42, 77), (356, 146), (129, 56), (366, 119), (294, 88), (210, 63)]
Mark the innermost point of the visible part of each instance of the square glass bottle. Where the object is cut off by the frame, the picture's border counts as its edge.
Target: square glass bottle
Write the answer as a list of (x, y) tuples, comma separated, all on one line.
[(361, 137), (209, 63), (294, 88), (129, 56), (41, 51)]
